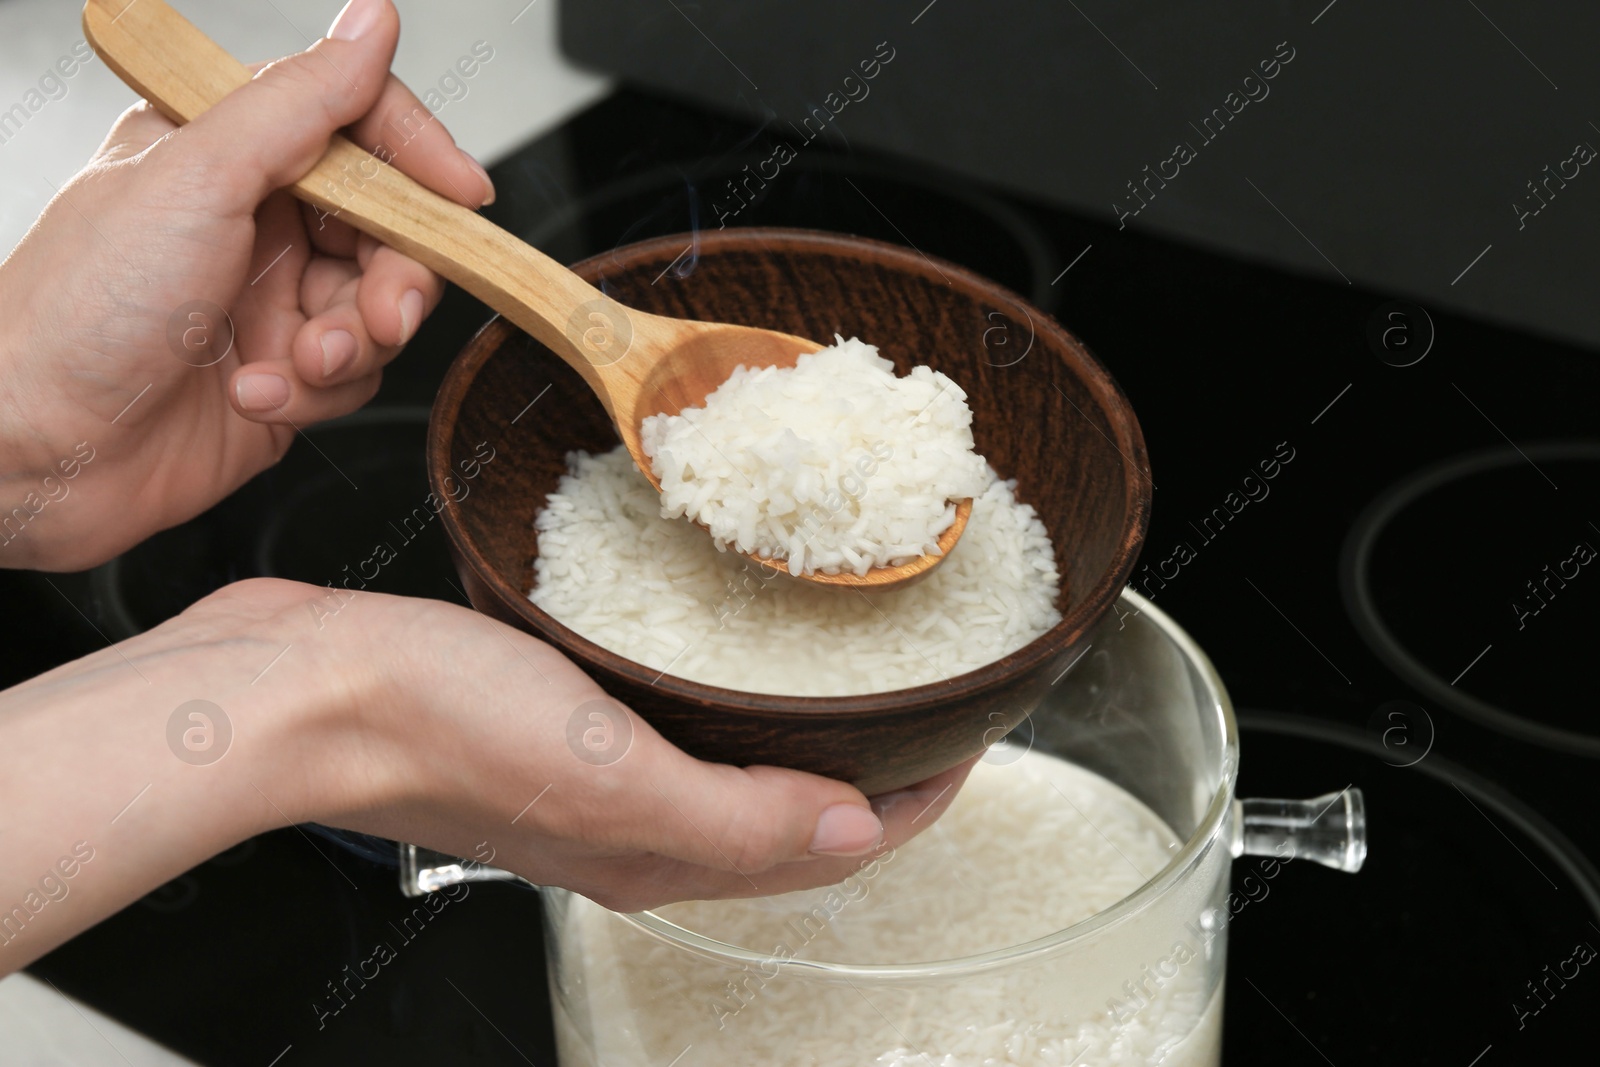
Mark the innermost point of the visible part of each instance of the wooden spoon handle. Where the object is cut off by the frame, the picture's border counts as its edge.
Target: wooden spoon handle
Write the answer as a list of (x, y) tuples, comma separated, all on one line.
[(182, 72)]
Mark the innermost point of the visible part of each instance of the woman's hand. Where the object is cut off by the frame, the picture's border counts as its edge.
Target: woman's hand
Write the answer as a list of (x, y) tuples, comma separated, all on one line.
[(476, 736), (111, 303), (273, 702)]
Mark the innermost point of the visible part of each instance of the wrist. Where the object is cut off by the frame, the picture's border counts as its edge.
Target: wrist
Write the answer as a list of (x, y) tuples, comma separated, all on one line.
[(302, 684)]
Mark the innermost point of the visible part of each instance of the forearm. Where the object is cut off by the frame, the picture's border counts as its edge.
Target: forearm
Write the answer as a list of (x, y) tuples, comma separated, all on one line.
[(112, 782)]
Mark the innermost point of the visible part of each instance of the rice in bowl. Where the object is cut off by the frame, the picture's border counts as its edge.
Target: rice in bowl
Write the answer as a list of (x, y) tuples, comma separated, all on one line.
[(658, 592)]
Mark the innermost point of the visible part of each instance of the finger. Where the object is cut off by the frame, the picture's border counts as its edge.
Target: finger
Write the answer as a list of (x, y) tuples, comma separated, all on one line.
[(330, 235), (761, 817), (135, 130), (358, 319), (401, 131), (328, 280), (905, 813), (268, 133), (743, 820), (270, 391), (396, 293), (266, 313), (335, 346)]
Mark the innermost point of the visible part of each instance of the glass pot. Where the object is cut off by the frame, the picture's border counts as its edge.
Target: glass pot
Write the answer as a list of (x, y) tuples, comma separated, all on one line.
[(1138, 982)]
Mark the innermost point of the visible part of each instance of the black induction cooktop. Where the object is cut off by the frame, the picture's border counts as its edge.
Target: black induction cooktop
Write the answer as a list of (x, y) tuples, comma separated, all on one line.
[(1406, 607)]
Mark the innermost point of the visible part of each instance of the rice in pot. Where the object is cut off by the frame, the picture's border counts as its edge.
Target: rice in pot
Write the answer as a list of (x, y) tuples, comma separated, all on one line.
[(1026, 849)]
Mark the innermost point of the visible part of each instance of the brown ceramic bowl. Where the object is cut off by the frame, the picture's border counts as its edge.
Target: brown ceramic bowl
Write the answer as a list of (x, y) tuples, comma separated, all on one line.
[(1045, 413)]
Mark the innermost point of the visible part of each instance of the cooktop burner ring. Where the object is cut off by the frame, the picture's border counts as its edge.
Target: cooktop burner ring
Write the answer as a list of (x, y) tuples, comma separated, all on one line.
[(254, 518), (1556, 845), (294, 503), (1355, 582)]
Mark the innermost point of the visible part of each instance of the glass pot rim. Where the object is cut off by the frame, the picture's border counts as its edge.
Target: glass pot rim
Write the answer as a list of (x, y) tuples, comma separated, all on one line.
[(1206, 836)]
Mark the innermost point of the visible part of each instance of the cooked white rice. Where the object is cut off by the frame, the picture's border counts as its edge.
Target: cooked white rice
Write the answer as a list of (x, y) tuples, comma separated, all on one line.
[(1023, 851), (834, 464), (658, 592)]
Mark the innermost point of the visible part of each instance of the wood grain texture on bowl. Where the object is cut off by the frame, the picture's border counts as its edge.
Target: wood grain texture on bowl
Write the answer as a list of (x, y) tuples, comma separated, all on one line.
[(1045, 413)]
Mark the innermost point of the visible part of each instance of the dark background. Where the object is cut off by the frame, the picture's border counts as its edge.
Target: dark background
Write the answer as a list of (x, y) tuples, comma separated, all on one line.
[(1397, 140)]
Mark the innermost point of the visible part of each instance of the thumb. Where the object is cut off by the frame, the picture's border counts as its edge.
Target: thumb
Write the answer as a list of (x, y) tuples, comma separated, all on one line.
[(753, 818), (269, 133)]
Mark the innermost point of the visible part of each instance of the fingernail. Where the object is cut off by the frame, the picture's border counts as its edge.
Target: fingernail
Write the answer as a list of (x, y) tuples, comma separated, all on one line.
[(488, 183), (338, 350), (356, 20), (262, 392), (410, 314), (846, 830)]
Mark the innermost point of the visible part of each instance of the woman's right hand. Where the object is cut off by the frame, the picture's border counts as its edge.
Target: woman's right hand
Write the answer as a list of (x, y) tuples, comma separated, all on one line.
[(454, 731), (175, 315)]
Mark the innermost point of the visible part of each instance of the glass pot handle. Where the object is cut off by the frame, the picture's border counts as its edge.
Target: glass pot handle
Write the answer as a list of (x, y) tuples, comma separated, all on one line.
[(1330, 829), (423, 871)]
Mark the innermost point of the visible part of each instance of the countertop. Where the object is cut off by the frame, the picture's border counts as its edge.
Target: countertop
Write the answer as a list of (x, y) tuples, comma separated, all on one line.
[(523, 90)]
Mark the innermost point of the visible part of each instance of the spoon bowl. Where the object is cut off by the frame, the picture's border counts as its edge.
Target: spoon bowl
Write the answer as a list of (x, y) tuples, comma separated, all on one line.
[(639, 364), (685, 375)]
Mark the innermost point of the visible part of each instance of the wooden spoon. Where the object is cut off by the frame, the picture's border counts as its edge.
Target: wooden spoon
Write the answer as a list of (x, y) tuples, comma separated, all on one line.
[(637, 364)]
